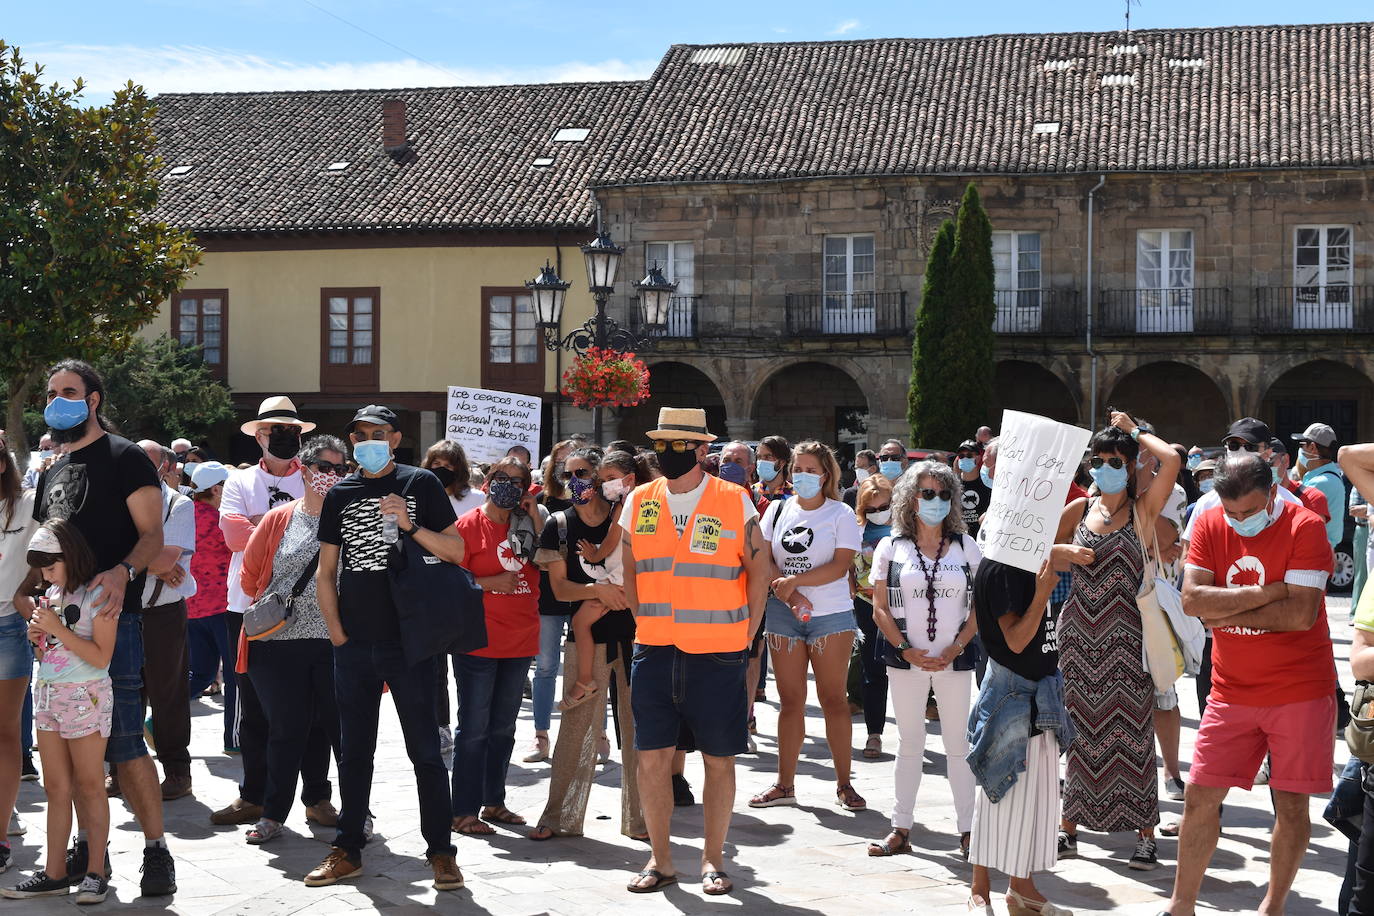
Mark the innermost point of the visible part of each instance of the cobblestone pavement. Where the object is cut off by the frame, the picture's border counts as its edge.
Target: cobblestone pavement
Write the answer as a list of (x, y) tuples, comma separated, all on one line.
[(808, 859)]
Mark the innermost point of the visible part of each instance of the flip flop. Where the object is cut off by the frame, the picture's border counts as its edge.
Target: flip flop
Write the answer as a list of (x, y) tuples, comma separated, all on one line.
[(660, 882), (709, 885)]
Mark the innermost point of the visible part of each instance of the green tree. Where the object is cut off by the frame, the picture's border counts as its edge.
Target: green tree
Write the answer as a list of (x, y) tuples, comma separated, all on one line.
[(952, 362), (83, 262), (162, 390)]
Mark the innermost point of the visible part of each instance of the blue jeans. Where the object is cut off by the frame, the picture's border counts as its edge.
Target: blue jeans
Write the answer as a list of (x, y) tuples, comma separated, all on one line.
[(126, 677), (207, 640), (551, 629), (489, 694), (360, 669)]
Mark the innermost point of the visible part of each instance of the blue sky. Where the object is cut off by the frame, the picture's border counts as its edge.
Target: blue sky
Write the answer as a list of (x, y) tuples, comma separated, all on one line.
[(238, 45)]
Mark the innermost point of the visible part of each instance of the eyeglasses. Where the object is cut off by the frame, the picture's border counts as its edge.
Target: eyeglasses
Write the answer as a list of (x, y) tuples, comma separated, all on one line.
[(1236, 445), (1097, 463), (580, 474), (678, 445), (504, 478), (927, 493), (325, 467)]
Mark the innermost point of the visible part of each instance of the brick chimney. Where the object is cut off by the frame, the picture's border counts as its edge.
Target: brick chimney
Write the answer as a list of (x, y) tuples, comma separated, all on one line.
[(394, 125)]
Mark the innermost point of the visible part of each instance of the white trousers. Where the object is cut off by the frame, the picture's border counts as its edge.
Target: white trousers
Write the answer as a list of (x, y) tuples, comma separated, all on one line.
[(953, 692)]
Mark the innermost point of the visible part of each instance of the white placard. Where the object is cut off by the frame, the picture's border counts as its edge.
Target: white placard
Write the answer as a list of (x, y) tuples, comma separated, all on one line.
[(487, 423), (1037, 458)]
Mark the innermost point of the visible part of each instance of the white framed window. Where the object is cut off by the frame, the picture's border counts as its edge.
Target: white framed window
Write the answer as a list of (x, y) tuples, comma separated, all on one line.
[(676, 260), (848, 266), (1016, 278), (1322, 256), (1164, 259)]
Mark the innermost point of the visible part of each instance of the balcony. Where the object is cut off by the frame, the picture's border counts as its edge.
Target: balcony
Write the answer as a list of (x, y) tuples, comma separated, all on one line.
[(1128, 312), (1047, 312), (1314, 309), (868, 314), (684, 319)]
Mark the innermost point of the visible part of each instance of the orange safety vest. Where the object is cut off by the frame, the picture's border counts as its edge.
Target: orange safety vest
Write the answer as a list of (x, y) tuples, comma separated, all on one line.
[(692, 588)]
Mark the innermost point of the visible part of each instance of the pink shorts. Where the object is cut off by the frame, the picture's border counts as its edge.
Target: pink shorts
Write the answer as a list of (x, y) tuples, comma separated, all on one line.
[(74, 710), (1232, 741)]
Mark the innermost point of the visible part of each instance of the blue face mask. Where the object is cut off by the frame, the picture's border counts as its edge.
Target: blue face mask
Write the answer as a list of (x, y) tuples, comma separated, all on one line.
[(65, 413), (1194, 461), (1110, 479), (1251, 526), (889, 468), (932, 511), (767, 470), (734, 473), (372, 455), (1206, 485), (1277, 475), (984, 476), (807, 485), (966, 465)]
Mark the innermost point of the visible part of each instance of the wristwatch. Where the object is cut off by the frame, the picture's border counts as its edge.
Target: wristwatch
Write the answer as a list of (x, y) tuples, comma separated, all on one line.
[(959, 645), (903, 646), (130, 567)]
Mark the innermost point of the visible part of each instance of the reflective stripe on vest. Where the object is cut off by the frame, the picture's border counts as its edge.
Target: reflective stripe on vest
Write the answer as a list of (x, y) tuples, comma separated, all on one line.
[(703, 570), (657, 564), (682, 615), (655, 610)]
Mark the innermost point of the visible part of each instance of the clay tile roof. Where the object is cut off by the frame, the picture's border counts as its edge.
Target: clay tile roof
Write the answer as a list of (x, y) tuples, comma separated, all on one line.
[(1221, 98), (259, 162)]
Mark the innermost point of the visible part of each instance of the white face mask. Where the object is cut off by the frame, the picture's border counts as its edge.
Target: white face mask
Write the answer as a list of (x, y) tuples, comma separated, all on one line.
[(612, 490), (861, 474), (879, 518)]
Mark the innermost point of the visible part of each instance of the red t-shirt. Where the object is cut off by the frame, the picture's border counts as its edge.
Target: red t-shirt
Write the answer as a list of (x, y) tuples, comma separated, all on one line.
[(512, 620), (209, 565), (1258, 667)]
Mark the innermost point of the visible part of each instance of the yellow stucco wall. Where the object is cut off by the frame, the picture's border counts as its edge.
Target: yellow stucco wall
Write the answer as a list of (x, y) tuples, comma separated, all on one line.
[(430, 312)]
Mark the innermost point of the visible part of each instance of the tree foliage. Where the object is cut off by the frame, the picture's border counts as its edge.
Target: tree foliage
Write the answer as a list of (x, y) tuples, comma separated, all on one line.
[(952, 355), (83, 262), (161, 390)]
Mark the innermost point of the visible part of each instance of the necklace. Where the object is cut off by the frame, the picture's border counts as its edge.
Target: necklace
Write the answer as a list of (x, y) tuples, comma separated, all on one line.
[(929, 572), (1108, 516)]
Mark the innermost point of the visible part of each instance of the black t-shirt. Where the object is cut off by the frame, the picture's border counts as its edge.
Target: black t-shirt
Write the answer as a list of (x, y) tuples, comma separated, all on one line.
[(1000, 589), (350, 520), (850, 496), (977, 495), (549, 606), (615, 626), (90, 488)]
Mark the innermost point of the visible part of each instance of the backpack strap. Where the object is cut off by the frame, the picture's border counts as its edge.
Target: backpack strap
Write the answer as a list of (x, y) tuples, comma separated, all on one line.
[(561, 518)]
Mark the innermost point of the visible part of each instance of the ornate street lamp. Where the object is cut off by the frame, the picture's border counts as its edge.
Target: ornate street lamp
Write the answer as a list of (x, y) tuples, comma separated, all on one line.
[(549, 292), (655, 298)]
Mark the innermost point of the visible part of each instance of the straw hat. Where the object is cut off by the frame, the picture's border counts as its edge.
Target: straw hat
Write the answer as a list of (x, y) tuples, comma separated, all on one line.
[(276, 410), (681, 423)]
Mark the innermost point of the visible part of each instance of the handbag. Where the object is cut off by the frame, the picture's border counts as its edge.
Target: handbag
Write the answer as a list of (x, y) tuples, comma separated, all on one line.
[(1359, 731), (271, 612), (438, 604), (1162, 657), (966, 660)]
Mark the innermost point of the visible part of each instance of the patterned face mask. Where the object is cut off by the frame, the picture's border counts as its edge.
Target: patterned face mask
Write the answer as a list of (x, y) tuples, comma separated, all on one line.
[(322, 483)]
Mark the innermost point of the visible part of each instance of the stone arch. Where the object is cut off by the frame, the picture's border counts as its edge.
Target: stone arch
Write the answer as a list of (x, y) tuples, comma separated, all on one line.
[(1027, 386), (812, 399), (1321, 390), (1182, 402), (674, 384)]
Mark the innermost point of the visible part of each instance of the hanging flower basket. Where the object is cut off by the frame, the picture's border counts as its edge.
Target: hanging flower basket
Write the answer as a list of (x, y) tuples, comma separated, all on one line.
[(606, 378)]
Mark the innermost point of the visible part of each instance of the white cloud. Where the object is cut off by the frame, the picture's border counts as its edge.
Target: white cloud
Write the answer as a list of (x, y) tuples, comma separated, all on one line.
[(189, 68), (844, 28)]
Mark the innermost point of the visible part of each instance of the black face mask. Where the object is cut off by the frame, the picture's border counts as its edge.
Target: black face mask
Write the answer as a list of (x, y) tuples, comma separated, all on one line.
[(445, 475), (284, 444), (675, 464)]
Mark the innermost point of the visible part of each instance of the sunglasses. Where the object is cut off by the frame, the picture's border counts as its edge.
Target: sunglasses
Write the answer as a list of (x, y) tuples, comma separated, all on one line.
[(927, 493), (965, 455), (678, 445), (890, 456), (580, 474), (1097, 463), (1236, 445), (883, 508), (325, 467)]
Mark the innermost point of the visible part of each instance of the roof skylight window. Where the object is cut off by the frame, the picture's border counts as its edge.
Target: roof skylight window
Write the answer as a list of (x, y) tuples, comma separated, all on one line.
[(571, 134), (337, 166), (543, 162), (1045, 128), (180, 170)]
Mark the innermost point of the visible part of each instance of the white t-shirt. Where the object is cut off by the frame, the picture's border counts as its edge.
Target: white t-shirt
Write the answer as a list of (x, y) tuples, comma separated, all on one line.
[(951, 589), (682, 505), (1211, 499), (803, 539), (14, 549), (250, 492), (466, 503)]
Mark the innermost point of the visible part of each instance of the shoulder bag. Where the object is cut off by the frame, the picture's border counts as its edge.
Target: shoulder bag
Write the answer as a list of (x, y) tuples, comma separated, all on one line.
[(1162, 657), (271, 612), (1359, 732), (966, 660)]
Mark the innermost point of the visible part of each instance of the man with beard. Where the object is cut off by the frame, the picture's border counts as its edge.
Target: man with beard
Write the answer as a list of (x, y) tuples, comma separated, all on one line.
[(108, 489), (248, 495)]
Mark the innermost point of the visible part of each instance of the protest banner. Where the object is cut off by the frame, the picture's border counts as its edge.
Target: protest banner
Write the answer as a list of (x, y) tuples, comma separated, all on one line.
[(1036, 460), (487, 423)]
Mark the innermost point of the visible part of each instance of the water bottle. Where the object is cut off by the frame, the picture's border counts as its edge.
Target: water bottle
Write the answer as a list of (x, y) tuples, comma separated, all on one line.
[(390, 530)]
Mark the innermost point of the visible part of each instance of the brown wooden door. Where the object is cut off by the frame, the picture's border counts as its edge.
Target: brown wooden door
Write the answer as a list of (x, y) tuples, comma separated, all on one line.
[(350, 324), (512, 345)]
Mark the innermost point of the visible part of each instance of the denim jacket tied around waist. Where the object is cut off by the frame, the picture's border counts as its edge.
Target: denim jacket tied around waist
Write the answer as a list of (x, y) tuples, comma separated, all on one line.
[(1000, 725)]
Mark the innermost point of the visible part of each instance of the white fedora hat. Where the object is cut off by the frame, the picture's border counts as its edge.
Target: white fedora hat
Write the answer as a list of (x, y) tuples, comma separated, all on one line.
[(681, 423), (276, 410)]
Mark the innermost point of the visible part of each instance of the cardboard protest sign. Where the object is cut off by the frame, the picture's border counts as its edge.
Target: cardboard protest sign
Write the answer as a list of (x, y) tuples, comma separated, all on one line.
[(487, 423), (1036, 460)]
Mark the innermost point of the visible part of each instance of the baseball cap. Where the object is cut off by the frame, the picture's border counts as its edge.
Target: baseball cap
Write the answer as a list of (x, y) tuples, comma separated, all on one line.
[(970, 445), (1319, 433), (373, 413), (208, 473), (1251, 430)]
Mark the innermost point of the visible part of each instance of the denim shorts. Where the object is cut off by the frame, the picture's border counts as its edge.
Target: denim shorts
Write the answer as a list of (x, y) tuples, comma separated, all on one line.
[(670, 688), (16, 655), (126, 677), (783, 626)]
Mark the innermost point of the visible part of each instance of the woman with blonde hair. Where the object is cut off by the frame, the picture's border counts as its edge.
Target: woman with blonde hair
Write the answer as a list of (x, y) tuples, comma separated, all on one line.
[(810, 617), (873, 507)]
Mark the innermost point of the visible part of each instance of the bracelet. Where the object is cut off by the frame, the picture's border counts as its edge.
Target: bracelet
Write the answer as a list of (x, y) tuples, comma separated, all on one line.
[(1135, 434)]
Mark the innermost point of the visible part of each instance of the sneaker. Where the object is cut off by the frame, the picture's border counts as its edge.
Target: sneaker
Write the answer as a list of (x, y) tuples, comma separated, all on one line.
[(1068, 845), (1262, 777), (29, 772), (446, 746), (159, 872), (447, 877), (77, 861), (148, 733), (232, 750), (369, 829), (237, 811), (40, 885), (323, 813), (93, 889), (1173, 787), (174, 787), (682, 792), (1144, 858), (17, 826), (336, 867)]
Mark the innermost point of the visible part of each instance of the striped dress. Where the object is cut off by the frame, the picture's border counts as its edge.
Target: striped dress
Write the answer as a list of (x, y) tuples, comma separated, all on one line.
[(1109, 776)]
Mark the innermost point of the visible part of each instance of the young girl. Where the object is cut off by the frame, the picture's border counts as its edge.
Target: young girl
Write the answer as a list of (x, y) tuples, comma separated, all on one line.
[(72, 705)]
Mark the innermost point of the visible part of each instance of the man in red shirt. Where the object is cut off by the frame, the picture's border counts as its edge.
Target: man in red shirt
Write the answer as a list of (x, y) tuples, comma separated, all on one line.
[(1256, 574), (1311, 497)]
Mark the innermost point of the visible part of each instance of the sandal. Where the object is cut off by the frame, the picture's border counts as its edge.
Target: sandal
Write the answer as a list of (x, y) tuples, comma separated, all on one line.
[(887, 847), (502, 815), (262, 832), (774, 796), (472, 825), (716, 883), (541, 833), (873, 748), (964, 842), (660, 882), (586, 692), (848, 799)]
